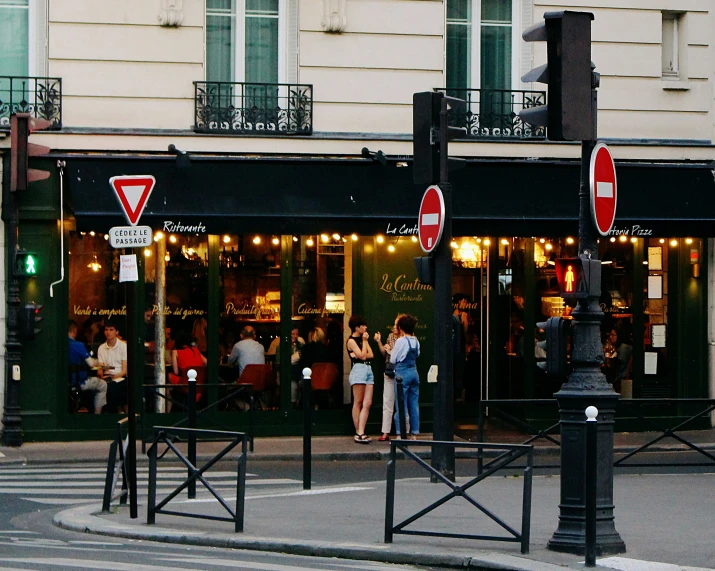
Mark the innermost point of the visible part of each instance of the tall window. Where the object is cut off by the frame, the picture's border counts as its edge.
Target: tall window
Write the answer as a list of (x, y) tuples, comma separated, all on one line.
[(479, 44), (14, 37), (242, 40), (671, 44)]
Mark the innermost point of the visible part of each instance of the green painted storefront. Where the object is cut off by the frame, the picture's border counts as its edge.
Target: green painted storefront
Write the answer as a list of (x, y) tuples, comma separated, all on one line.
[(289, 197)]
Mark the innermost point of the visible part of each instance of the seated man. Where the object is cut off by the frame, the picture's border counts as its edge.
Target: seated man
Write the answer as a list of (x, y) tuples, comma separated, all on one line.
[(112, 355), (78, 358), (247, 351)]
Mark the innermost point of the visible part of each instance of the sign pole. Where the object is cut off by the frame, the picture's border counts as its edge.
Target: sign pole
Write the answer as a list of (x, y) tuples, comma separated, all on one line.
[(586, 386), (130, 291), (443, 456)]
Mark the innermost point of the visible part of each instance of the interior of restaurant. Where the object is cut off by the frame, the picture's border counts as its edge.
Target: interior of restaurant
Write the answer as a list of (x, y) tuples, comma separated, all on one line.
[(502, 286)]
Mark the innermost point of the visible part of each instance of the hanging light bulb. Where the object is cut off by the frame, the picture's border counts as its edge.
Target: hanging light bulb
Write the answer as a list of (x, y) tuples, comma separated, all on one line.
[(147, 253), (92, 233), (167, 257), (661, 241), (504, 242), (634, 240), (336, 237), (94, 265), (414, 238), (487, 242), (172, 239), (612, 238), (569, 240), (226, 239), (549, 247), (380, 239), (688, 241), (256, 240), (391, 248), (324, 238), (623, 239), (309, 242), (354, 237), (275, 240), (674, 243), (295, 238), (106, 236)]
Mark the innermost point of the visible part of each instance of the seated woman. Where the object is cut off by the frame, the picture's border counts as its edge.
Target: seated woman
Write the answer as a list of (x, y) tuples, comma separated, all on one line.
[(185, 356)]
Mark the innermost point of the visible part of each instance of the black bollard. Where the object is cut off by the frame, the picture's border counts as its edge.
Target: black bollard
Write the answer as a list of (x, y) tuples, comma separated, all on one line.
[(591, 486), (191, 398), (400, 397), (307, 427)]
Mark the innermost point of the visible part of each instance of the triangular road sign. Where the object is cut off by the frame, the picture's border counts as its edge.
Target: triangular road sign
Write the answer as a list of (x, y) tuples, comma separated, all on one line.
[(133, 193)]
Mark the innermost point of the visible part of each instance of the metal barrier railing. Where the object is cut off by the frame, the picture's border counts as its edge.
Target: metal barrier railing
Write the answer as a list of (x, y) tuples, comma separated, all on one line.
[(167, 435), (233, 391), (625, 408), (513, 452), (115, 467)]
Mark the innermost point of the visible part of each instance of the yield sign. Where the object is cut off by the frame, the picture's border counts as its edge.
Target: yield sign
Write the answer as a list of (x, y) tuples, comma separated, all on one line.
[(430, 222), (133, 193), (602, 175)]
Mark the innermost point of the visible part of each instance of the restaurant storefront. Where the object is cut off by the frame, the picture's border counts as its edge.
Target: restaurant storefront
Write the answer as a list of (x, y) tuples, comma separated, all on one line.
[(288, 245)]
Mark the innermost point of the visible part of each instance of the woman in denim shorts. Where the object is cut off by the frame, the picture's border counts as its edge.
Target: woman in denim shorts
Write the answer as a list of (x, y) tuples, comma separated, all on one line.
[(361, 378)]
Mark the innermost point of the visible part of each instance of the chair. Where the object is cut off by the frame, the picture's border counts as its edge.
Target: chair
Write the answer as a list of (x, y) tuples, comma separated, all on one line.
[(323, 378), (261, 379)]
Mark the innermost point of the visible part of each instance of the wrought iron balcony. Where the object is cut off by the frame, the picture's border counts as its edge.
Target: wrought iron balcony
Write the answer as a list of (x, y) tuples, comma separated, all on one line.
[(253, 108), (493, 113), (39, 96)]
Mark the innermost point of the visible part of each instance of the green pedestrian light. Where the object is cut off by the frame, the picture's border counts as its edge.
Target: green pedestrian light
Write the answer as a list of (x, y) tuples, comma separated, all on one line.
[(25, 264)]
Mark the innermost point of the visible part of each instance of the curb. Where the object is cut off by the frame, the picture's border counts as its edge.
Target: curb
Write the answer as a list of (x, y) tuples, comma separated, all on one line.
[(83, 519)]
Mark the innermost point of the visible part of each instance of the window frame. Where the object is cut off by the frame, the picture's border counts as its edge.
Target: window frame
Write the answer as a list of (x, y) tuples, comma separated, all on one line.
[(239, 41), (474, 72)]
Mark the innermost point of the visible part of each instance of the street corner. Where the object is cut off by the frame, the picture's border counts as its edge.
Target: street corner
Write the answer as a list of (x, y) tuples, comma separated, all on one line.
[(9, 455)]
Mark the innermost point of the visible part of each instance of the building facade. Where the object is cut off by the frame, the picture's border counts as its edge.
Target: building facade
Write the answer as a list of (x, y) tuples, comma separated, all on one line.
[(279, 135)]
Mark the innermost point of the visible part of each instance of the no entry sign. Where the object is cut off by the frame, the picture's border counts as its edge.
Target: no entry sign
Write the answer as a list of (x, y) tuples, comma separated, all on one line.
[(603, 189), (431, 219)]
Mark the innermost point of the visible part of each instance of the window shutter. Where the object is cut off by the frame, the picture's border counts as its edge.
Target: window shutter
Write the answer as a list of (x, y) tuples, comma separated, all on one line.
[(292, 42)]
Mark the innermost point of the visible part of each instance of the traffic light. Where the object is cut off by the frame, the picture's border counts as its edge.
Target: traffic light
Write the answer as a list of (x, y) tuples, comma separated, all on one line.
[(578, 278), (568, 114), (427, 126), (29, 318), (425, 269), (25, 264), (21, 126), (555, 344)]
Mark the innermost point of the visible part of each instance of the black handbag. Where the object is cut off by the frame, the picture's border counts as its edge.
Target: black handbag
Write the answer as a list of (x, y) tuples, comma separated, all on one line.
[(390, 370)]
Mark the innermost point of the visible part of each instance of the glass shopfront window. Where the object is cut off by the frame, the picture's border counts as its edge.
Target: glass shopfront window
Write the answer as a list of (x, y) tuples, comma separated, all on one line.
[(95, 298), (318, 307), (250, 303)]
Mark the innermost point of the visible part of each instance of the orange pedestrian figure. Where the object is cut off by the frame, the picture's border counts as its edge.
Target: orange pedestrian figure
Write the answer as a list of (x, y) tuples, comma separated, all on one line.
[(569, 278)]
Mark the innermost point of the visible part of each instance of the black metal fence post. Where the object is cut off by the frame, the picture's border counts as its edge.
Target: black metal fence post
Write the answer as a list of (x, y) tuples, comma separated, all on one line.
[(191, 451), (401, 408), (151, 498), (390, 493), (591, 483), (307, 428)]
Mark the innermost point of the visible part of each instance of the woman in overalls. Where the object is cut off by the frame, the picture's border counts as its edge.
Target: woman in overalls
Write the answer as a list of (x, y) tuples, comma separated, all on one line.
[(404, 357)]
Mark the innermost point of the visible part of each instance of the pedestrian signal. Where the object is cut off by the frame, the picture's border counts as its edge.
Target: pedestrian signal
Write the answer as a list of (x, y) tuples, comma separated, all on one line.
[(555, 345), (25, 264), (578, 278)]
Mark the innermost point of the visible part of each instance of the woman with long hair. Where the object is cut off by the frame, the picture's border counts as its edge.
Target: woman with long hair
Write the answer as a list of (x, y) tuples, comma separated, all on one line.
[(361, 378)]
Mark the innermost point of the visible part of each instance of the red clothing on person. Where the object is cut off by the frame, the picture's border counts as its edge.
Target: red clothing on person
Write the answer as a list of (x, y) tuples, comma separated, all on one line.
[(187, 358)]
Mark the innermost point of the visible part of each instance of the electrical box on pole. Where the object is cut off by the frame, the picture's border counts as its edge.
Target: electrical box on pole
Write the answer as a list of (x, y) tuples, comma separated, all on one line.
[(568, 114)]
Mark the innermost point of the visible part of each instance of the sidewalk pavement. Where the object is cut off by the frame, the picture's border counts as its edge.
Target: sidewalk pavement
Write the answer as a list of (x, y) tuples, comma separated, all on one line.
[(666, 519)]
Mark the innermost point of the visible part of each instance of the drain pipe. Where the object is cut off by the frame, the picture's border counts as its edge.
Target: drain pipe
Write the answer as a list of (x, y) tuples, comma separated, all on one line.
[(61, 165)]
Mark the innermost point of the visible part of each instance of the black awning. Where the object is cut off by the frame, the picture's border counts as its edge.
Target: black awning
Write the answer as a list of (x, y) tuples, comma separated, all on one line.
[(306, 196)]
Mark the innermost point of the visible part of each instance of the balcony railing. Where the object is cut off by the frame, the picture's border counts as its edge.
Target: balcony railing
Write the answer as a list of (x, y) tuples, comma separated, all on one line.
[(493, 113), (39, 96), (253, 108)]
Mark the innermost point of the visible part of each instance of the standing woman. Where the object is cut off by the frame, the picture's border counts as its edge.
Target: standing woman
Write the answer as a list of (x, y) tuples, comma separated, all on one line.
[(361, 378), (388, 391), (404, 357)]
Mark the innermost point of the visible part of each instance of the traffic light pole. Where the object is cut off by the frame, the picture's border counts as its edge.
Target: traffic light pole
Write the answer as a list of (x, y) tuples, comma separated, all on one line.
[(12, 421), (443, 457), (586, 386)]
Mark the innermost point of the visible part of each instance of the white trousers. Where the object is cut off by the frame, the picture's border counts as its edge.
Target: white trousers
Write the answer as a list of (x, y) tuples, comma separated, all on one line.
[(388, 406), (98, 385)]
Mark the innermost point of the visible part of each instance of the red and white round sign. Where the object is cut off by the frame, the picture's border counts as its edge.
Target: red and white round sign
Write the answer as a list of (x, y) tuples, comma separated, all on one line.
[(603, 189), (431, 218)]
